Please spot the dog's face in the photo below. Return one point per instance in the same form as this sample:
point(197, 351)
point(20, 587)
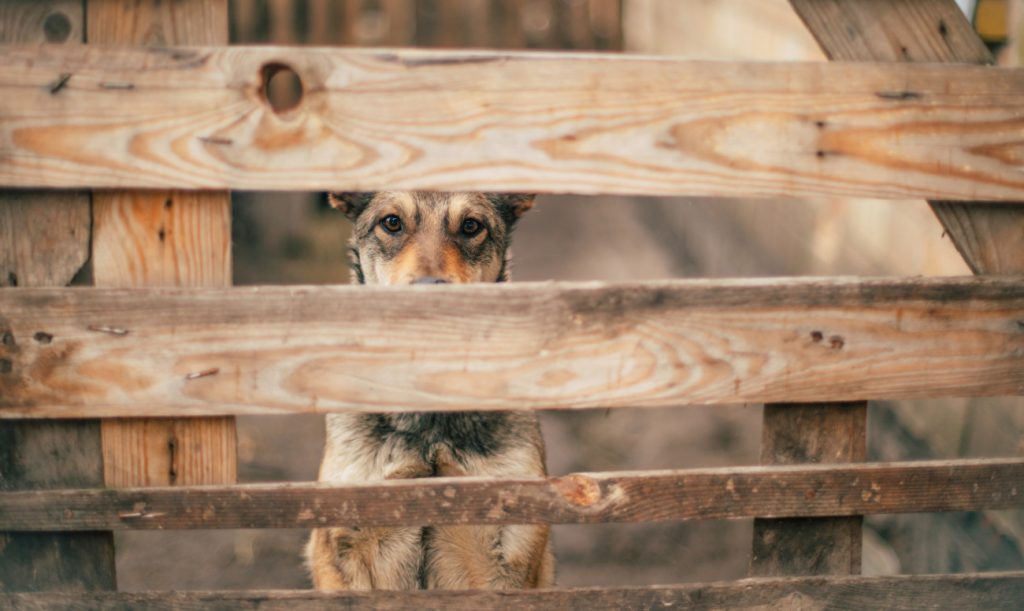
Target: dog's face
point(402, 237)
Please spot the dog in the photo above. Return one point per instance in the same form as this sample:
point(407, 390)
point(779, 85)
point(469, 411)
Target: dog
point(402, 238)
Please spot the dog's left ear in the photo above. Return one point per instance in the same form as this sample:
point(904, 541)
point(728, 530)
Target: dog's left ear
point(512, 205)
point(352, 203)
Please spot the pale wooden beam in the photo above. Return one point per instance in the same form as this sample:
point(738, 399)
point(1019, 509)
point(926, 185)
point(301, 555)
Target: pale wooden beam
point(166, 352)
point(162, 238)
point(198, 118)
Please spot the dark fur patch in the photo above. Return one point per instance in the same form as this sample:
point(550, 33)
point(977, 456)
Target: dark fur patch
point(463, 432)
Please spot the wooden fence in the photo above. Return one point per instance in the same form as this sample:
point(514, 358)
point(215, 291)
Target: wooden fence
point(159, 338)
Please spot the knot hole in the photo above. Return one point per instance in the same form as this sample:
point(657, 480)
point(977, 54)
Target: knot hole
point(282, 87)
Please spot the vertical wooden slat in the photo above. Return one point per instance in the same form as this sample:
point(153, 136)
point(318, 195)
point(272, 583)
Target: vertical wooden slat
point(44, 241)
point(163, 239)
point(989, 237)
point(827, 433)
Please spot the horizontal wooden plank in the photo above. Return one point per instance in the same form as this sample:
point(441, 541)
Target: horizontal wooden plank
point(387, 119)
point(989, 591)
point(738, 492)
point(91, 352)
point(88, 352)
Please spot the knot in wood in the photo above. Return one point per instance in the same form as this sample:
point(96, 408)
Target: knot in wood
point(579, 490)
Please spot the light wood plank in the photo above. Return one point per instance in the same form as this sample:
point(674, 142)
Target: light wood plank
point(44, 241)
point(196, 118)
point(168, 238)
point(990, 591)
point(164, 352)
point(643, 496)
point(990, 237)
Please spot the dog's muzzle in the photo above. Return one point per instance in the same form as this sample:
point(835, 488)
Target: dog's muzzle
point(429, 280)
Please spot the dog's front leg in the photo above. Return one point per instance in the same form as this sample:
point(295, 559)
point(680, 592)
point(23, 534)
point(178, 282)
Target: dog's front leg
point(489, 557)
point(352, 558)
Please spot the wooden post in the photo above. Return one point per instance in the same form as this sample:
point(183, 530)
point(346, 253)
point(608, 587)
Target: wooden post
point(810, 433)
point(44, 241)
point(173, 238)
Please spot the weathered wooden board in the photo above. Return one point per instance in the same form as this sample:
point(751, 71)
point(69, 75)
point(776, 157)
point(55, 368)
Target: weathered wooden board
point(197, 118)
point(819, 433)
point(267, 350)
point(643, 496)
point(44, 241)
point(989, 591)
point(989, 236)
point(163, 238)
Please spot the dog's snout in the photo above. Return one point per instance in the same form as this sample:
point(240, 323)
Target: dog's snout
point(430, 280)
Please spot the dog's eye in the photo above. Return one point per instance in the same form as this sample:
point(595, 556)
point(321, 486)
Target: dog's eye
point(471, 227)
point(391, 223)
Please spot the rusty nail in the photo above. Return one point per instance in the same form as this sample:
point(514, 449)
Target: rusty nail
point(214, 140)
point(203, 374)
point(108, 329)
point(60, 83)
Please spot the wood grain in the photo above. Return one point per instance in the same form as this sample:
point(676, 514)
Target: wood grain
point(266, 350)
point(41, 21)
point(163, 238)
point(816, 434)
point(196, 118)
point(643, 496)
point(44, 241)
point(990, 591)
point(989, 237)
point(45, 237)
point(40, 455)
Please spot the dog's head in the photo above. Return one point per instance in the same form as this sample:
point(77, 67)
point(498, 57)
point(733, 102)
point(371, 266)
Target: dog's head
point(402, 237)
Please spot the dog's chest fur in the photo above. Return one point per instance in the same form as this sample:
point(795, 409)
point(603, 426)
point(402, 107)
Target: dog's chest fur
point(388, 446)
point(461, 434)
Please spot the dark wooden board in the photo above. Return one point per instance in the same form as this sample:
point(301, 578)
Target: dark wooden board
point(991, 591)
point(778, 491)
point(810, 434)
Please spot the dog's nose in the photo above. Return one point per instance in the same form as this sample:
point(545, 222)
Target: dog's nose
point(429, 280)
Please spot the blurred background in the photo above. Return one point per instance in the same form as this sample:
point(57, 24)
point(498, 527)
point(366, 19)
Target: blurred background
point(293, 238)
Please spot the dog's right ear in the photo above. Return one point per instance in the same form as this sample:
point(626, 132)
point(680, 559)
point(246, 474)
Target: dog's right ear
point(352, 203)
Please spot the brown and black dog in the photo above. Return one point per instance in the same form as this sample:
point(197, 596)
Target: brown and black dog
point(433, 238)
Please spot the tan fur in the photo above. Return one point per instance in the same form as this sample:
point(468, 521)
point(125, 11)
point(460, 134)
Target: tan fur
point(448, 557)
